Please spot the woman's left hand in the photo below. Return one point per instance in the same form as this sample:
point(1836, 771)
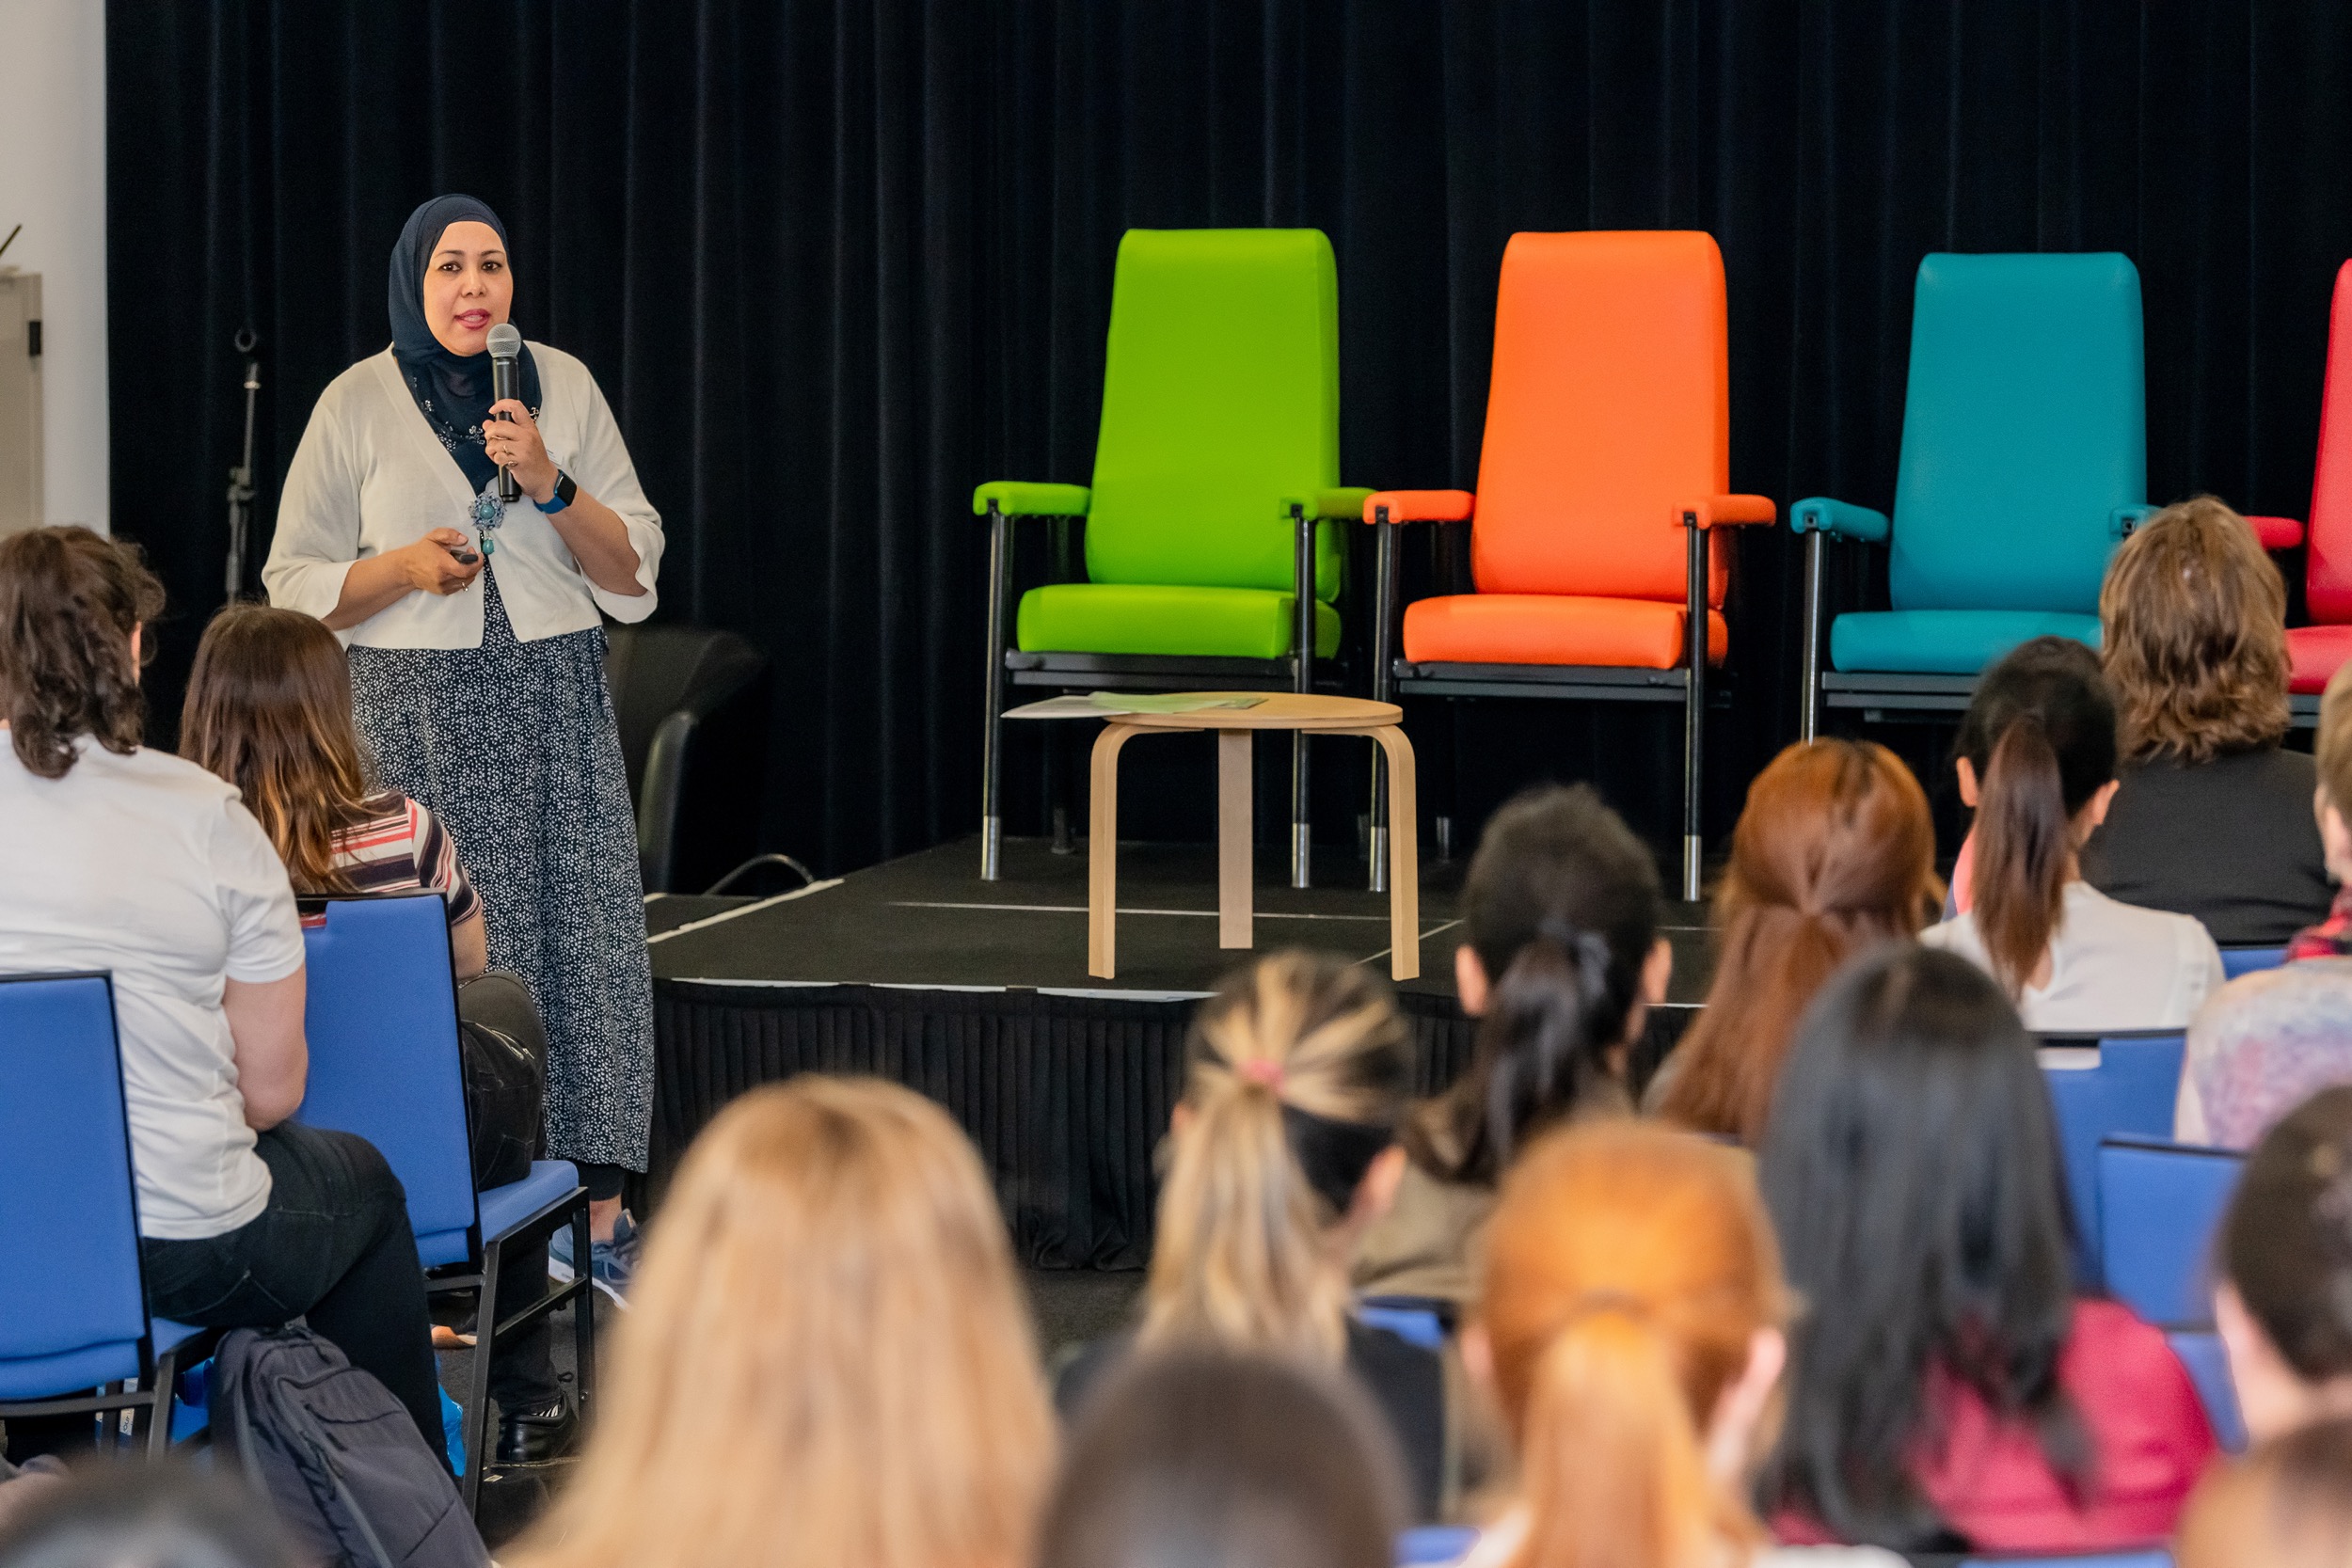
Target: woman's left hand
point(514, 443)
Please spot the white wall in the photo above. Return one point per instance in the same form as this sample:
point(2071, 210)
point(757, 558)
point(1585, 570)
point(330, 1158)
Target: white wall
point(53, 179)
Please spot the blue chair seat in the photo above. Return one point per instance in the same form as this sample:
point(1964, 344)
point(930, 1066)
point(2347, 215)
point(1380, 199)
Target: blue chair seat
point(2248, 960)
point(505, 1208)
point(1945, 642)
point(26, 1376)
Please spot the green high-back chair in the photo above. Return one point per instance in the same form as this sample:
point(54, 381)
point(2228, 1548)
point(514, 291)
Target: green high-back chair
point(1217, 468)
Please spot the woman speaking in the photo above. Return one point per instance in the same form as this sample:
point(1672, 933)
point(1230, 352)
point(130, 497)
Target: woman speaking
point(476, 653)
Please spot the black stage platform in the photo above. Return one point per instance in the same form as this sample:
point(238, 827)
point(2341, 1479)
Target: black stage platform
point(975, 993)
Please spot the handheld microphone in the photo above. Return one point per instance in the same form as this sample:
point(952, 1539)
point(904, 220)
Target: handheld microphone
point(506, 349)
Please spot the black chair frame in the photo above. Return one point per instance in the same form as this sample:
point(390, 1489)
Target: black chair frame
point(1008, 666)
point(482, 1280)
point(1687, 684)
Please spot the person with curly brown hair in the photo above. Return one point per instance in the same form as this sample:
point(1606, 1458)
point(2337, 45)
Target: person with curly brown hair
point(2214, 818)
point(117, 857)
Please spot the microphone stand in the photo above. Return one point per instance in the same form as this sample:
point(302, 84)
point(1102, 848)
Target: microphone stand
point(241, 491)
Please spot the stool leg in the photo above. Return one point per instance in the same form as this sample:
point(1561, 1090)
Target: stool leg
point(1403, 856)
point(1234, 835)
point(1103, 854)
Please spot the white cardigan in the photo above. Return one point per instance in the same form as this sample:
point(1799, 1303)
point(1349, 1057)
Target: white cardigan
point(369, 476)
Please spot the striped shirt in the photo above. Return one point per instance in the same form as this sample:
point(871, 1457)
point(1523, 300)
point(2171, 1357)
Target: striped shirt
point(400, 847)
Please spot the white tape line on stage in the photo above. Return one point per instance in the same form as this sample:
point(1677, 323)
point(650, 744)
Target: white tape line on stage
point(748, 909)
point(1080, 909)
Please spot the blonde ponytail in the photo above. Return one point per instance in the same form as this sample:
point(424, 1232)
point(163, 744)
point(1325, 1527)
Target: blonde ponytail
point(1298, 1075)
point(1615, 1466)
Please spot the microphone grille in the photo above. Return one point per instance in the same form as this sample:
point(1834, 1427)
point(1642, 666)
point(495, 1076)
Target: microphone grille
point(505, 343)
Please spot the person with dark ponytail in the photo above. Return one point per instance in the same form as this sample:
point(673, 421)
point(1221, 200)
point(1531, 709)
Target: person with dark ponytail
point(1560, 964)
point(2037, 758)
point(1281, 1153)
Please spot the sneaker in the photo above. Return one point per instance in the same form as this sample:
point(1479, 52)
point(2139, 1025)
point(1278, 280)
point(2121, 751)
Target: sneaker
point(611, 1264)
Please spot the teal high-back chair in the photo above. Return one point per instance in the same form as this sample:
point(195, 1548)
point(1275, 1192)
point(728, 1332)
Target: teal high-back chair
point(2024, 461)
point(1216, 467)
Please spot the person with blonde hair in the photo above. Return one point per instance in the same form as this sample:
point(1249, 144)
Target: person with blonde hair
point(2270, 1038)
point(827, 1360)
point(1282, 1154)
point(1835, 852)
point(2286, 1505)
point(2214, 817)
point(1633, 1327)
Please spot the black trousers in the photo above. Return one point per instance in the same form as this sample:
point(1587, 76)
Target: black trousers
point(334, 1247)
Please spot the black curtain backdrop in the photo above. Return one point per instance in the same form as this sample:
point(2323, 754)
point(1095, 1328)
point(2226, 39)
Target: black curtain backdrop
point(834, 263)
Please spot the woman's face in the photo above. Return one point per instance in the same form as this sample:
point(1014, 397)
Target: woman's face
point(468, 290)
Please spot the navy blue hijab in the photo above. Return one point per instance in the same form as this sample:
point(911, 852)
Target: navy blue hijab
point(452, 390)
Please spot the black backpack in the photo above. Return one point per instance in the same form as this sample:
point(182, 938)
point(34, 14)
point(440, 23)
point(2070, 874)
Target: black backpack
point(337, 1456)
point(504, 1049)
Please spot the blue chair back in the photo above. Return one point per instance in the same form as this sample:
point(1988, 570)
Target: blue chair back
point(2025, 428)
point(2208, 1364)
point(2162, 1204)
point(2246, 960)
point(2131, 1090)
point(382, 1021)
point(72, 1303)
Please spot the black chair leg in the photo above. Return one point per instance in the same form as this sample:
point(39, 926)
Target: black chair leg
point(1695, 639)
point(583, 1316)
point(156, 1415)
point(475, 1419)
point(992, 740)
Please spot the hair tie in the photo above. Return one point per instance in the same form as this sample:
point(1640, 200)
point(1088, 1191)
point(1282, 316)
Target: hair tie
point(1586, 949)
point(1262, 1071)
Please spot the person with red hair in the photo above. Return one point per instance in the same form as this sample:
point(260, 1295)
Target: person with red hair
point(1634, 1326)
point(1835, 853)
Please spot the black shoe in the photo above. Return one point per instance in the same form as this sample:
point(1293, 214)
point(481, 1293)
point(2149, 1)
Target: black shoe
point(536, 1436)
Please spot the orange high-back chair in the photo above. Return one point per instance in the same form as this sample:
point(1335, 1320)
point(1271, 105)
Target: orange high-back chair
point(1607, 464)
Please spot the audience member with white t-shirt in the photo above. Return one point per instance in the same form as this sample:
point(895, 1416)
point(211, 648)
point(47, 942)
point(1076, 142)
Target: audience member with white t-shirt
point(119, 857)
point(2037, 761)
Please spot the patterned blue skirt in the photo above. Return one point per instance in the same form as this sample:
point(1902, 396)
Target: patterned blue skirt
point(513, 746)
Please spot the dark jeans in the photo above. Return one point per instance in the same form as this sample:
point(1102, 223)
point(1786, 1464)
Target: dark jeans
point(333, 1247)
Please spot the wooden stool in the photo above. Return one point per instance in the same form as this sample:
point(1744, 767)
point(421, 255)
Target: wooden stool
point(1273, 711)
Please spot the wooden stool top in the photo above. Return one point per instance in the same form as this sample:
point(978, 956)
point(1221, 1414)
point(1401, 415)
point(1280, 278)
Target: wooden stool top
point(1273, 710)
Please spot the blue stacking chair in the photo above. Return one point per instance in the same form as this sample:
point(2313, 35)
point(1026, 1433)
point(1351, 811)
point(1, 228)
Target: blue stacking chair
point(2130, 1090)
point(2162, 1204)
point(1412, 1319)
point(74, 1300)
point(2025, 459)
point(1424, 1545)
point(2246, 960)
point(2208, 1363)
point(382, 1022)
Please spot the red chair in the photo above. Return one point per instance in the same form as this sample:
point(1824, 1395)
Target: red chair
point(2316, 651)
point(1607, 462)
